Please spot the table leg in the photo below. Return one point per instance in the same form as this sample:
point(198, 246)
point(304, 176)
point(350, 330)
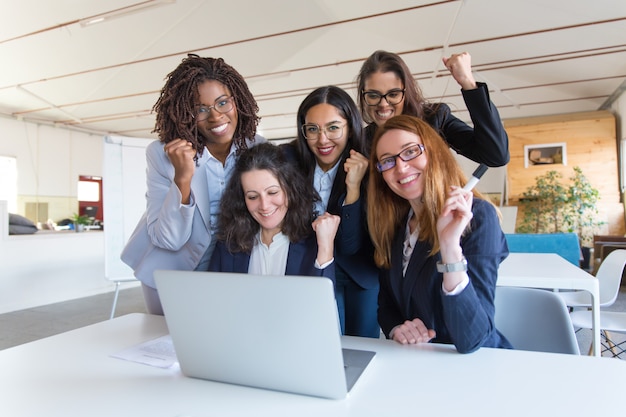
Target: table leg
point(595, 310)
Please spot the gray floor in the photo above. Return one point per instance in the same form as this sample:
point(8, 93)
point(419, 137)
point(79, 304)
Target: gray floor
point(24, 326)
point(27, 325)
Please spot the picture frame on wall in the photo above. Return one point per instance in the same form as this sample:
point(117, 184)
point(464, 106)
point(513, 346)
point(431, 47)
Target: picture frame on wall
point(545, 154)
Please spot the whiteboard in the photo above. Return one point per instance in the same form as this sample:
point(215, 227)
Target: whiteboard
point(124, 198)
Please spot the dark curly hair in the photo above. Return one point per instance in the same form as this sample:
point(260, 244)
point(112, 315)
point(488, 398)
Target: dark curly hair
point(236, 226)
point(174, 108)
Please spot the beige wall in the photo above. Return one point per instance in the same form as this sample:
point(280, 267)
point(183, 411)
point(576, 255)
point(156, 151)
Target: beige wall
point(591, 143)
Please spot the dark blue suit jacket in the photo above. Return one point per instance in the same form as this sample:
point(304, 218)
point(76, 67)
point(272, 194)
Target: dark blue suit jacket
point(466, 319)
point(486, 142)
point(300, 260)
point(354, 251)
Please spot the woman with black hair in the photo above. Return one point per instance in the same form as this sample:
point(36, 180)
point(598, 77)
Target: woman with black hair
point(387, 88)
point(331, 151)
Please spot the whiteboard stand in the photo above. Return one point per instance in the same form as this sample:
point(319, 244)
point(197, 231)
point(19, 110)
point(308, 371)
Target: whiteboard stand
point(118, 282)
point(124, 190)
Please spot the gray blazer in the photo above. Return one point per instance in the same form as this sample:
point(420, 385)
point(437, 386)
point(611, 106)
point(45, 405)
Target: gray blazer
point(168, 235)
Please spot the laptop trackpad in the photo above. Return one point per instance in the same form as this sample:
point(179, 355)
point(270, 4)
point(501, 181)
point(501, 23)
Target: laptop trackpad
point(354, 363)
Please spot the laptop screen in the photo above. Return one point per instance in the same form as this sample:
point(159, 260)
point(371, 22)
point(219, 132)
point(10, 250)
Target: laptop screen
point(273, 332)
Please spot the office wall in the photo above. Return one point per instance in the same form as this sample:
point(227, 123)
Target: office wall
point(49, 161)
point(618, 108)
point(49, 267)
point(589, 141)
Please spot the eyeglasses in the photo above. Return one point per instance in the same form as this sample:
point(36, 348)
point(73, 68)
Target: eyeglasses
point(406, 155)
point(222, 105)
point(373, 98)
point(311, 131)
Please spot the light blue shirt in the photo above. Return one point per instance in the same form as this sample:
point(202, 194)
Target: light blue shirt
point(217, 178)
point(323, 184)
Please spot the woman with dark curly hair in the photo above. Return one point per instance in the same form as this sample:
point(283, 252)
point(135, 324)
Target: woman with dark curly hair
point(266, 223)
point(205, 118)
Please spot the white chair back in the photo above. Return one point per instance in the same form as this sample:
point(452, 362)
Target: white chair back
point(610, 276)
point(534, 319)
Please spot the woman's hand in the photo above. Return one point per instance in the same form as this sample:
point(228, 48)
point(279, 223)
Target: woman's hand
point(356, 168)
point(181, 153)
point(460, 66)
point(454, 218)
point(412, 332)
point(325, 228)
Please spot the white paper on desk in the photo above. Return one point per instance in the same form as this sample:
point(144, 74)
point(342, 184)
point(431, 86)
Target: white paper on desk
point(158, 352)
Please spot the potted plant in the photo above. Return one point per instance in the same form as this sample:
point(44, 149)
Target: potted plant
point(583, 212)
point(80, 222)
point(552, 207)
point(543, 205)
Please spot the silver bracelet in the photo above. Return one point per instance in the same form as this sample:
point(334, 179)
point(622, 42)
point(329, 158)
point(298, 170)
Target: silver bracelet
point(454, 267)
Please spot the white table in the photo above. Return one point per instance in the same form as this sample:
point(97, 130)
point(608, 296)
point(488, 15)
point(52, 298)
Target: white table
point(72, 374)
point(549, 270)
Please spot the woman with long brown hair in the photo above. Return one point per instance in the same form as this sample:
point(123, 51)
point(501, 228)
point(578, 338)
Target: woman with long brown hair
point(439, 246)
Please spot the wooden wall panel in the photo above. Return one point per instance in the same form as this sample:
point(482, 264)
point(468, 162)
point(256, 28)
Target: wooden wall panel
point(591, 144)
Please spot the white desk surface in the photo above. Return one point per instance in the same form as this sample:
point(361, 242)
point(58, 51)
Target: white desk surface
point(72, 374)
point(549, 270)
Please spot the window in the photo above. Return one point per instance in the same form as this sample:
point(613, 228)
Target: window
point(89, 195)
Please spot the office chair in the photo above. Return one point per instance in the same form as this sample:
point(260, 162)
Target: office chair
point(609, 275)
point(610, 321)
point(609, 278)
point(534, 319)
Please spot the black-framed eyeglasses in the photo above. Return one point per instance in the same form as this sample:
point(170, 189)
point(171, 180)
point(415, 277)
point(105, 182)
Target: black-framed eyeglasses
point(312, 131)
point(373, 98)
point(221, 105)
point(406, 155)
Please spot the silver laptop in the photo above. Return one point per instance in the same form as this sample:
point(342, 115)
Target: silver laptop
point(275, 332)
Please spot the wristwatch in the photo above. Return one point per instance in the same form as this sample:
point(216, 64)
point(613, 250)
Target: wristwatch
point(455, 267)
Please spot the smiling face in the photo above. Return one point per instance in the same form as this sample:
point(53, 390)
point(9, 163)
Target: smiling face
point(327, 152)
point(382, 83)
point(218, 129)
point(266, 201)
point(406, 179)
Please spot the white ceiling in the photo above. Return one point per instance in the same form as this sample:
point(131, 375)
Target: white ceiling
point(539, 57)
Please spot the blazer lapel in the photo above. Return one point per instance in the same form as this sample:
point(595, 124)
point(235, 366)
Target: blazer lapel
point(395, 274)
point(419, 274)
point(337, 191)
point(403, 285)
point(294, 258)
point(241, 262)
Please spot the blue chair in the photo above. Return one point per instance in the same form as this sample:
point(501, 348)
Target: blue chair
point(563, 244)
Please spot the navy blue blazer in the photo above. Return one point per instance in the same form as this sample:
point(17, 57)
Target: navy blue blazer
point(354, 251)
point(487, 142)
point(300, 260)
point(465, 319)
